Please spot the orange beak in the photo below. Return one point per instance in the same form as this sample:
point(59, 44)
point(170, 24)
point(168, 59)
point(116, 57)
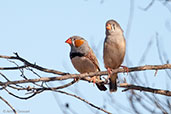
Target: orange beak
point(108, 27)
point(69, 41)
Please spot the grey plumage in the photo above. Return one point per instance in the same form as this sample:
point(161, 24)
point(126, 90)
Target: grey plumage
point(84, 59)
point(114, 50)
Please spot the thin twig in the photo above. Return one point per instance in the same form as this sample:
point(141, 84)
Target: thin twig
point(63, 92)
point(146, 89)
point(24, 98)
point(15, 112)
point(17, 57)
point(149, 5)
point(13, 68)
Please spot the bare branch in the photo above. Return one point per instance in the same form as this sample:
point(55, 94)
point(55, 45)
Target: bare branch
point(4, 76)
point(28, 64)
point(13, 68)
point(24, 98)
point(146, 89)
point(55, 88)
point(91, 74)
point(149, 5)
point(63, 92)
point(34, 90)
point(15, 112)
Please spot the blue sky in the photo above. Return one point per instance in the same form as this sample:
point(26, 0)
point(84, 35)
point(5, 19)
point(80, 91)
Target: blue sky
point(38, 29)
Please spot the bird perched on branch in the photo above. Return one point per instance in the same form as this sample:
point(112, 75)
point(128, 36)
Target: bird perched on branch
point(83, 58)
point(114, 51)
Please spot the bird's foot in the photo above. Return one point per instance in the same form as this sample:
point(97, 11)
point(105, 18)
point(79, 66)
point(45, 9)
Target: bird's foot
point(126, 69)
point(93, 79)
point(109, 73)
point(76, 79)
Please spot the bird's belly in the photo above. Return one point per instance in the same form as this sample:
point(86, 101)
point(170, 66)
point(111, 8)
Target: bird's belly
point(83, 65)
point(113, 57)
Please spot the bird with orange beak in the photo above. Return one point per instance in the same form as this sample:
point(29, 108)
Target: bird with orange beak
point(83, 58)
point(114, 51)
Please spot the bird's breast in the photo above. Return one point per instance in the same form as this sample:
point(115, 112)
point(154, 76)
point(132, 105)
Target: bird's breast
point(114, 52)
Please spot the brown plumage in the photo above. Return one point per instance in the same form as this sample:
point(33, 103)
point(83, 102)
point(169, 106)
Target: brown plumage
point(83, 58)
point(114, 50)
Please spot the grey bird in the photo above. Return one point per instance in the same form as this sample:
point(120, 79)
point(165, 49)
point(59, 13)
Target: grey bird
point(114, 51)
point(83, 58)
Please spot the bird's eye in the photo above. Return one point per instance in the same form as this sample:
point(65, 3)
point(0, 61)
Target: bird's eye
point(113, 26)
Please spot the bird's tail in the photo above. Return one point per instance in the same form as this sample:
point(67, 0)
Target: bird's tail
point(101, 86)
point(113, 82)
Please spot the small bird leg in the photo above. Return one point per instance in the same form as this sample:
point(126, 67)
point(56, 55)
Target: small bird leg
point(93, 79)
point(109, 72)
point(76, 79)
point(126, 69)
